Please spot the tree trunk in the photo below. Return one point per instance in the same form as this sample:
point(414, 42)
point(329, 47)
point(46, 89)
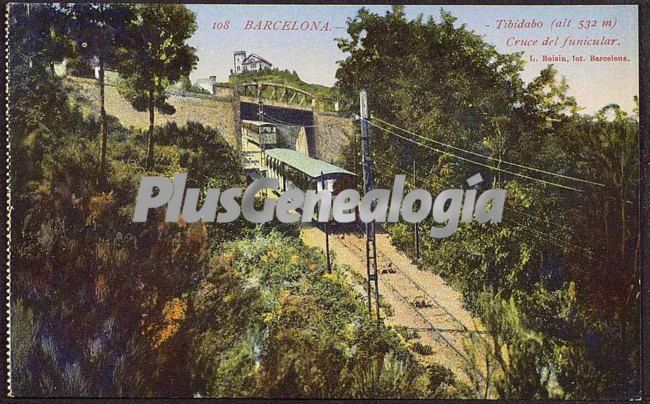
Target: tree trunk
point(151, 123)
point(102, 113)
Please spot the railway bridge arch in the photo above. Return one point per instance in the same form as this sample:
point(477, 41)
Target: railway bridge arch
point(305, 122)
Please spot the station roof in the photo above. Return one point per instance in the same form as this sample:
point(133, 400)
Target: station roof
point(301, 162)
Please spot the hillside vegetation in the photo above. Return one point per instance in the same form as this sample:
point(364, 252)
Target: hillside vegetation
point(557, 280)
point(105, 307)
point(84, 93)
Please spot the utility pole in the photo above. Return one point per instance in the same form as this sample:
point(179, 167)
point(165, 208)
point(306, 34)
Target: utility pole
point(417, 226)
point(327, 233)
point(260, 135)
point(368, 179)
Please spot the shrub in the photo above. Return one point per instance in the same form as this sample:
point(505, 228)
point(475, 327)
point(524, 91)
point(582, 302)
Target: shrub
point(422, 349)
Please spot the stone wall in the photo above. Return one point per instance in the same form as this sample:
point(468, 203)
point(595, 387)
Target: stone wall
point(221, 113)
point(332, 135)
point(326, 140)
point(287, 136)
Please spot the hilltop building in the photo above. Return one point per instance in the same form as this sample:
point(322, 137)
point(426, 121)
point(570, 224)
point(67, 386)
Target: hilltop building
point(248, 63)
point(243, 63)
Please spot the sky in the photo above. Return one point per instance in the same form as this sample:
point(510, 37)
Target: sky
point(313, 54)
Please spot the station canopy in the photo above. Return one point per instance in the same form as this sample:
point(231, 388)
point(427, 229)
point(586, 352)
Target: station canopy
point(301, 162)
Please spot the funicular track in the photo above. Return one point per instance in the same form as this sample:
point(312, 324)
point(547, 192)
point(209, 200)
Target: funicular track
point(437, 331)
point(437, 325)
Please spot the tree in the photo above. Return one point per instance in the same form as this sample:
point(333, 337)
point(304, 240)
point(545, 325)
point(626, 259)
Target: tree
point(186, 85)
point(37, 37)
point(156, 56)
point(448, 83)
point(514, 362)
point(35, 95)
point(97, 31)
point(450, 86)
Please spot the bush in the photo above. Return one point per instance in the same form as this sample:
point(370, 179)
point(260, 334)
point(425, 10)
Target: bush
point(310, 333)
point(422, 349)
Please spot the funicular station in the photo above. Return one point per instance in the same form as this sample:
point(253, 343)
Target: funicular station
point(292, 168)
point(295, 169)
point(281, 130)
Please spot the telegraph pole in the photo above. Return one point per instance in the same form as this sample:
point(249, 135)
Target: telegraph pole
point(327, 233)
point(260, 113)
point(417, 226)
point(368, 179)
point(260, 135)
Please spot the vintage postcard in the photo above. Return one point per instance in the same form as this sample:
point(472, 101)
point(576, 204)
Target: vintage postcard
point(323, 201)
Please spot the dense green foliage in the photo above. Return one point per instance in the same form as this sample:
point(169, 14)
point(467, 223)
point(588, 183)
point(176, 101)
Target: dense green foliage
point(102, 306)
point(89, 286)
point(556, 282)
point(154, 56)
point(100, 302)
point(293, 330)
point(97, 31)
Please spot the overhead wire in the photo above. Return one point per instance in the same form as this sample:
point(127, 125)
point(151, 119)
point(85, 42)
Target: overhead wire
point(565, 244)
point(461, 158)
point(550, 183)
point(417, 177)
point(490, 157)
point(281, 122)
point(547, 237)
point(540, 234)
point(444, 182)
point(493, 158)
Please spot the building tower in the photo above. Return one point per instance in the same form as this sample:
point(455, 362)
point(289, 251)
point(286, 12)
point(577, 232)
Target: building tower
point(239, 61)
